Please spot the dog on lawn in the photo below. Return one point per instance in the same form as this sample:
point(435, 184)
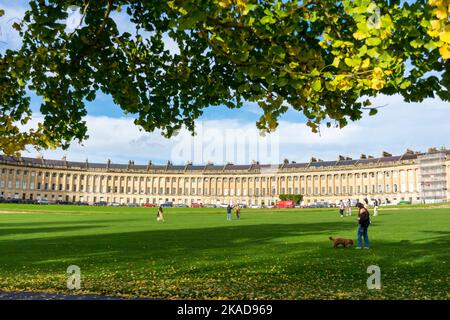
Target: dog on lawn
point(341, 241)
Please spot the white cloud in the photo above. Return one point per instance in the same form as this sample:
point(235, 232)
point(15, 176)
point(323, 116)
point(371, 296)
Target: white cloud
point(396, 127)
point(9, 37)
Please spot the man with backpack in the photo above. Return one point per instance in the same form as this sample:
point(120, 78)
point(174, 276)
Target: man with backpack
point(363, 225)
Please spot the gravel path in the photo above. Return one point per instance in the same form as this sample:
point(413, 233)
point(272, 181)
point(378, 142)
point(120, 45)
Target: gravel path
point(12, 295)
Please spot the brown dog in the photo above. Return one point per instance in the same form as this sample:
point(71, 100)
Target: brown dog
point(341, 241)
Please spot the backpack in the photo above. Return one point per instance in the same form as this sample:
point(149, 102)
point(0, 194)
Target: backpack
point(364, 219)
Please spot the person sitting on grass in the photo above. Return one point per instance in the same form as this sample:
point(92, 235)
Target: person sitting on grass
point(363, 225)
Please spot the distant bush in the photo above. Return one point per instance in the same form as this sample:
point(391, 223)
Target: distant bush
point(297, 198)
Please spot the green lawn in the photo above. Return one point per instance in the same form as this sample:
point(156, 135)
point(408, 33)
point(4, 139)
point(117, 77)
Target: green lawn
point(196, 253)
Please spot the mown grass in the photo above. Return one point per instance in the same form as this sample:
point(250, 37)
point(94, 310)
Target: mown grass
point(197, 254)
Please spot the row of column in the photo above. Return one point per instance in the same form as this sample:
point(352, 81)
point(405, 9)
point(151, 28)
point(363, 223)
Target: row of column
point(224, 186)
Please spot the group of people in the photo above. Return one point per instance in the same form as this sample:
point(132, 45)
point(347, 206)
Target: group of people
point(342, 206)
point(363, 217)
point(237, 210)
point(348, 204)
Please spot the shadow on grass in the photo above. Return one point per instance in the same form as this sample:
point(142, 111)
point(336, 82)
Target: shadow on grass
point(18, 231)
point(52, 226)
point(38, 224)
point(158, 243)
point(300, 240)
point(297, 257)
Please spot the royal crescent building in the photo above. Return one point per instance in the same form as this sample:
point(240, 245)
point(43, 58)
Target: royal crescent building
point(412, 176)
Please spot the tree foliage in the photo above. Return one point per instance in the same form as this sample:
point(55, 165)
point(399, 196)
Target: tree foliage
point(321, 58)
point(297, 198)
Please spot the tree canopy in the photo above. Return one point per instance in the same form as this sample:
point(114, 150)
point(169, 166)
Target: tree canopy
point(322, 58)
point(297, 198)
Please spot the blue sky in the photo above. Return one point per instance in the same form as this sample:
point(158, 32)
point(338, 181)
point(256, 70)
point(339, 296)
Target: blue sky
point(113, 136)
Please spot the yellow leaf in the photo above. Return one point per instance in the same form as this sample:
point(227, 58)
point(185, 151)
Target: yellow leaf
point(377, 84)
point(436, 24)
point(433, 33)
point(445, 51)
point(445, 37)
point(224, 3)
point(359, 35)
point(336, 62)
point(377, 72)
point(241, 3)
point(441, 12)
point(365, 64)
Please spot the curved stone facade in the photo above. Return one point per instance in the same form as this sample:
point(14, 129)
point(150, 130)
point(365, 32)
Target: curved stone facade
point(392, 178)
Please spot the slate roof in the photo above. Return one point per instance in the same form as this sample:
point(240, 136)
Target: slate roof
point(39, 162)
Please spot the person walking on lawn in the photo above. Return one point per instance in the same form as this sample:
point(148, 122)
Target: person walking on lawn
point(228, 213)
point(238, 212)
point(341, 208)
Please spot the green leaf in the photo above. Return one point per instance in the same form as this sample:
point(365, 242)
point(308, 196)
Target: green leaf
point(282, 82)
point(355, 62)
point(431, 45)
point(417, 43)
point(268, 20)
point(315, 73)
point(317, 85)
point(374, 41)
point(16, 26)
point(405, 84)
point(373, 53)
